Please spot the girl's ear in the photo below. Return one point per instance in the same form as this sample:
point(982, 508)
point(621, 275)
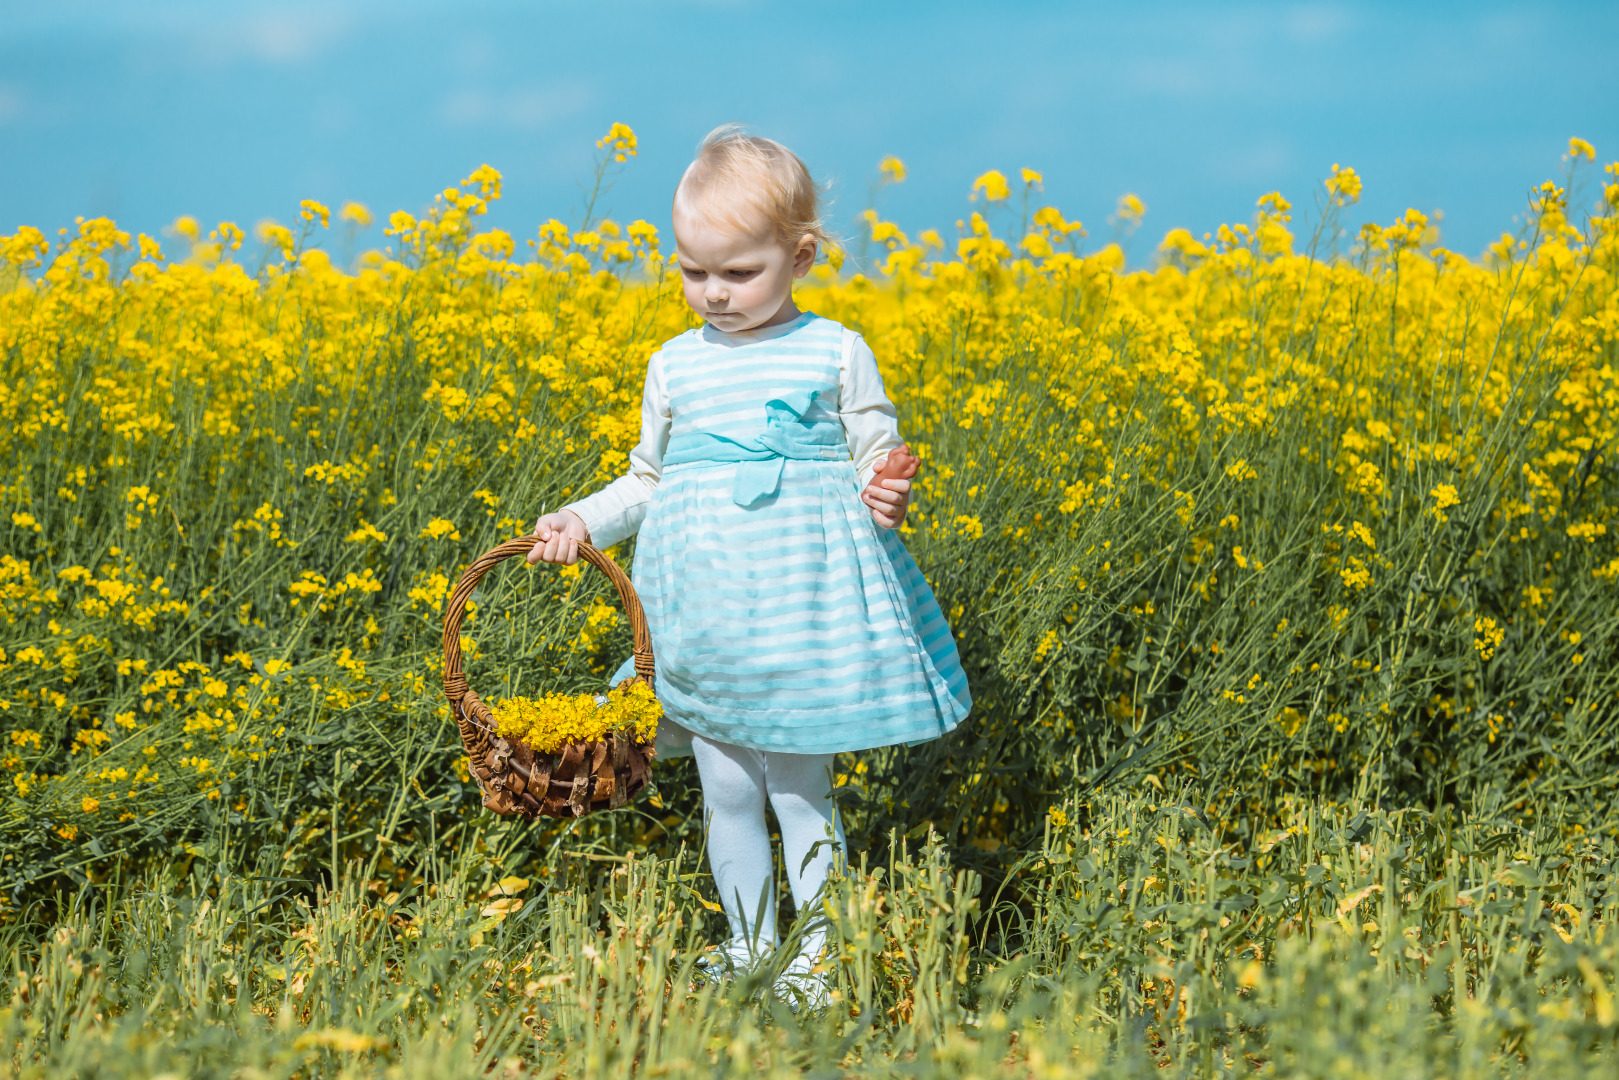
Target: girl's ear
point(805, 257)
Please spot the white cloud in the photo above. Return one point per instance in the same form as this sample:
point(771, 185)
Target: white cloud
point(282, 38)
point(466, 108)
point(1176, 77)
point(475, 52)
point(528, 108)
point(1316, 22)
point(1258, 164)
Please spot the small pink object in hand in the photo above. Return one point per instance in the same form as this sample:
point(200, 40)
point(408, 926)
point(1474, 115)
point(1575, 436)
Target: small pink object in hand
point(900, 464)
point(889, 503)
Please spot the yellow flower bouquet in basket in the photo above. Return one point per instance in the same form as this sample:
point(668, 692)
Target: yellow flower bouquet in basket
point(565, 754)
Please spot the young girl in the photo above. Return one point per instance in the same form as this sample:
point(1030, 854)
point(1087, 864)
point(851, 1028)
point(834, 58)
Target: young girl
point(788, 622)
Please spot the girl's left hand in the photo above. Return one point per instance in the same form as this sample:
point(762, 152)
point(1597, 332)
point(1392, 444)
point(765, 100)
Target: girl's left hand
point(888, 500)
point(888, 495)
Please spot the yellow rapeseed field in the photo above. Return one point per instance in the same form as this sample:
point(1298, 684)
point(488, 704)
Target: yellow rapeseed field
point(1289, 511)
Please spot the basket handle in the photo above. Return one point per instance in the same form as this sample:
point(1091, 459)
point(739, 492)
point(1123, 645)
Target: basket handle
point(474, 735)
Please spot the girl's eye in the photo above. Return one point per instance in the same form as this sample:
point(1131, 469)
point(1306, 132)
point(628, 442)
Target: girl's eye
point(696, 274)
point(740, 274)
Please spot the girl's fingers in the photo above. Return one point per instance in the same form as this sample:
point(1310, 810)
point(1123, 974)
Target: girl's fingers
point(897, 485)
point(555, 546)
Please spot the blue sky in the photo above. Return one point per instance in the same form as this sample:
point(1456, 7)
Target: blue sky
point(144, 111)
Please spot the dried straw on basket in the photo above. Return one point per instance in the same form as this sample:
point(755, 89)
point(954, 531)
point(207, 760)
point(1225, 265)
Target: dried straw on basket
point(582, 776)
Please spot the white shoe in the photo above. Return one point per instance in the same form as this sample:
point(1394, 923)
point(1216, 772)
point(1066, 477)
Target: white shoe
point(729, 961)
point(801, 986)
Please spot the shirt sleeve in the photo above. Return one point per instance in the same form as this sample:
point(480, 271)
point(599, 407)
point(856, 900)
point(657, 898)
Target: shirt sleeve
point(869, 419)
point(616, 511)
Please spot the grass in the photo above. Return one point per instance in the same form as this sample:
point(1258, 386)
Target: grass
point(1134, 941)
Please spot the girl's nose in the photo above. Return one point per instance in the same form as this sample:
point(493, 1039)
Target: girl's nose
point(716, 293)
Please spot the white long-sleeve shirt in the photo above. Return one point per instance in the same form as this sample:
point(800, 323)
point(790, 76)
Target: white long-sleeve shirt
point(616, 511)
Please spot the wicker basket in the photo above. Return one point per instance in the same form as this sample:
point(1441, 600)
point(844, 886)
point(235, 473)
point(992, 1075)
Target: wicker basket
point(583, 776)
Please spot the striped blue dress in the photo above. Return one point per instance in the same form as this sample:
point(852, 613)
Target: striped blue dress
point(783, 617)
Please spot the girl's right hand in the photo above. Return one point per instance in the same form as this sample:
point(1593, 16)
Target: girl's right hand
point(888, 494)
point(560, 534)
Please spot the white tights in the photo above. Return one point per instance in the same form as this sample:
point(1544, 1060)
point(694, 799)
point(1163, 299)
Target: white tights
point(736, 781)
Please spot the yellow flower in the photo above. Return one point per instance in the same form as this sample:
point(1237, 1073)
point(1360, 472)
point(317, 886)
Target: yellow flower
point(1579, 148)
point(1355, 575)
point(969, 526)
point(1241, 470)
point(619, 140)
point(89, 805)
point(549, 724)
point(1343, 186)
point(1049, 217)
point(1444, 496)
point(366, 531)
point(1587, 531)
point(1031, 177)
point(1048, 642)
point(439, 528)
point(643, 234)
point(993, 184)
point(892, 170)
point(356, 213)
point(25, 247)
point(268, 232)
point(432, 592)
point(1037, 245)
point(1367, 479)
point(1489, 637)
point(1130, 209)
point(1180, 241)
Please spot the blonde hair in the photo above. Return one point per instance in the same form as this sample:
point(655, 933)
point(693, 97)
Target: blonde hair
point(735, 173)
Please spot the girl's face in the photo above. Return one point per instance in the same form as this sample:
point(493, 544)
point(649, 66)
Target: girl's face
point(739, 280)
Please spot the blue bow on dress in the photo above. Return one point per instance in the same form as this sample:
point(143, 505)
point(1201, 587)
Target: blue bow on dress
point(760, 459)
